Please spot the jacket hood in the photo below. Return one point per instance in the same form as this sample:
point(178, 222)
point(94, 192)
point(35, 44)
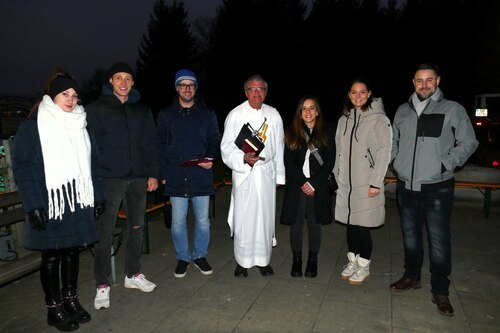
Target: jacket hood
point(133, 97)
point(376, 109)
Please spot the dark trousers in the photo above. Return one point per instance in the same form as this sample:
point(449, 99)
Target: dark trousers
point(59, 265)
point(306, 206)
point(359, 241)
point(133, 193)
point(432, 207)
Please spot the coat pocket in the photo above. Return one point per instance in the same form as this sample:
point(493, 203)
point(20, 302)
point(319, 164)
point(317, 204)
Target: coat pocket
point(370, 158)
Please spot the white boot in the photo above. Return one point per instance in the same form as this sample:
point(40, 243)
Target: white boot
point(351, 266)
point(362, 273)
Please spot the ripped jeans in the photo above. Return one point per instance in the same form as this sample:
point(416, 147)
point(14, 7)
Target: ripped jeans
point(133, 193)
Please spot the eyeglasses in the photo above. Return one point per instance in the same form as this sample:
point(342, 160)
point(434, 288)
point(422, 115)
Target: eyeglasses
point(256, 89)
point(183, 86)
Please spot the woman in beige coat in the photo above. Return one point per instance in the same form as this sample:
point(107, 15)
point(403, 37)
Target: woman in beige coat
point(363, 144)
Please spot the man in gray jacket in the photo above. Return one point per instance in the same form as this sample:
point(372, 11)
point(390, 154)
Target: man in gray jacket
point(431, 137)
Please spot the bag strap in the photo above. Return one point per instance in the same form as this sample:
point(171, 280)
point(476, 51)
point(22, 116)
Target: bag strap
point(314, 150)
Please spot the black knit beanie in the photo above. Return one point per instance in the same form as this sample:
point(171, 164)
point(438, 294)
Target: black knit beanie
point(120, 67)
point(60, 84)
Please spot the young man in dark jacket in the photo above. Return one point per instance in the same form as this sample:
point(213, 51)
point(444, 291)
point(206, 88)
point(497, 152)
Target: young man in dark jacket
point(189, 142)
point(431, 137)
point(125, 132)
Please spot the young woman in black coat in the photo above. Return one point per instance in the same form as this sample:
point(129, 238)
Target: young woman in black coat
point(307, 191)
point(55, 170)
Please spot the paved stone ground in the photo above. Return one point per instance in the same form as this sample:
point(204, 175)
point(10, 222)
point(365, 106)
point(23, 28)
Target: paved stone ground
point(223, 303)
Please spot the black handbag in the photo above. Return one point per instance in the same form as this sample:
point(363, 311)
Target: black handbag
point(333, 184)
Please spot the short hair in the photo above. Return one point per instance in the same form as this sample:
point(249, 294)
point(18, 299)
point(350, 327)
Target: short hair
point(427, 66)
point(257, 78)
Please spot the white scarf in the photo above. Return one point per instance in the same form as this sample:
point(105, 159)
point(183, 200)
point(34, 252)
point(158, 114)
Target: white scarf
point(66, 156)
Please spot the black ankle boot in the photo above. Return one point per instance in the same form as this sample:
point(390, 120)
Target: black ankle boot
point(74, 308)
point(312, 265)
point(296, 264)
point(58, 317)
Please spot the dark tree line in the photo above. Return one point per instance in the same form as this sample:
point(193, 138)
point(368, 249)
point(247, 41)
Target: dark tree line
point(167, 47)
point(319, 52)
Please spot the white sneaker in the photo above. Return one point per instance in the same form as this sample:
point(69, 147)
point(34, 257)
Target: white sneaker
point(139, 282)
point(351, 266)
point(102, 298)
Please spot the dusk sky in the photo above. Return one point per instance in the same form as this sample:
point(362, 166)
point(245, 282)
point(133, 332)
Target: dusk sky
point(79, 36)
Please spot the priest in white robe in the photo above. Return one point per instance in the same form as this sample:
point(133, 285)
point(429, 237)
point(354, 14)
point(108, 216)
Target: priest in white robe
point(252, 210)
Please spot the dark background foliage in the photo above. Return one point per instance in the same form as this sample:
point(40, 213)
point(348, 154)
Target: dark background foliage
point(318, 52)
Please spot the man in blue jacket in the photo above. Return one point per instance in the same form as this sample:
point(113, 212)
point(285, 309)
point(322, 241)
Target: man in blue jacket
point(125, 132)
point(189, 143)
point(431, 137)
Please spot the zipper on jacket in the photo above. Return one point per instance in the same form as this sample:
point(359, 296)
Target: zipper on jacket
point(413, 161)
point(186, 187)
point(416, 141)
point(131, 170)
point(350, 170)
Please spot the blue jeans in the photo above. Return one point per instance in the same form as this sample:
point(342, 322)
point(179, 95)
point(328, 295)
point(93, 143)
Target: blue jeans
point(180, 207)
point(133, 193)
point(431, 206)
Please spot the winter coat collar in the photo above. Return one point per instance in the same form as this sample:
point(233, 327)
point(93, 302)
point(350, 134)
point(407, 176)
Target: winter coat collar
point(133, 97)
point(438, 96)
point(375, 109)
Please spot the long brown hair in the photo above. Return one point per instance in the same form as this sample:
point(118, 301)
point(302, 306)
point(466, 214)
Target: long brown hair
point(295, 139)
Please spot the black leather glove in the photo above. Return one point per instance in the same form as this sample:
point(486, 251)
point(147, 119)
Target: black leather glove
point(38, 219)
point(99, 209)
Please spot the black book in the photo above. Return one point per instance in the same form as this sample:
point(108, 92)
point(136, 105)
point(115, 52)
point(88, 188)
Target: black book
point(248, 140)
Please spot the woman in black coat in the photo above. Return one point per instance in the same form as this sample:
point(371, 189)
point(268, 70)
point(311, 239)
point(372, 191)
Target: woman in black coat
point(307, 191)
point(55, 171)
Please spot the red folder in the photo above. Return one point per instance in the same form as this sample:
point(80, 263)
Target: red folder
point(196, 161)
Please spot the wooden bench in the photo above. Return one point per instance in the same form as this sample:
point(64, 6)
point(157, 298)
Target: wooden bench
point(483, 187)
point(10, 214)
point(217, 184)
point(158, 205)
point(150, 210)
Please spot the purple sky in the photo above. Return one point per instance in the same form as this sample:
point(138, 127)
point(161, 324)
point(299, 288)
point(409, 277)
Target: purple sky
point(78, 35)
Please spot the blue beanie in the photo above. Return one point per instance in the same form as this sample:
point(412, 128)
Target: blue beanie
point(185, 74)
